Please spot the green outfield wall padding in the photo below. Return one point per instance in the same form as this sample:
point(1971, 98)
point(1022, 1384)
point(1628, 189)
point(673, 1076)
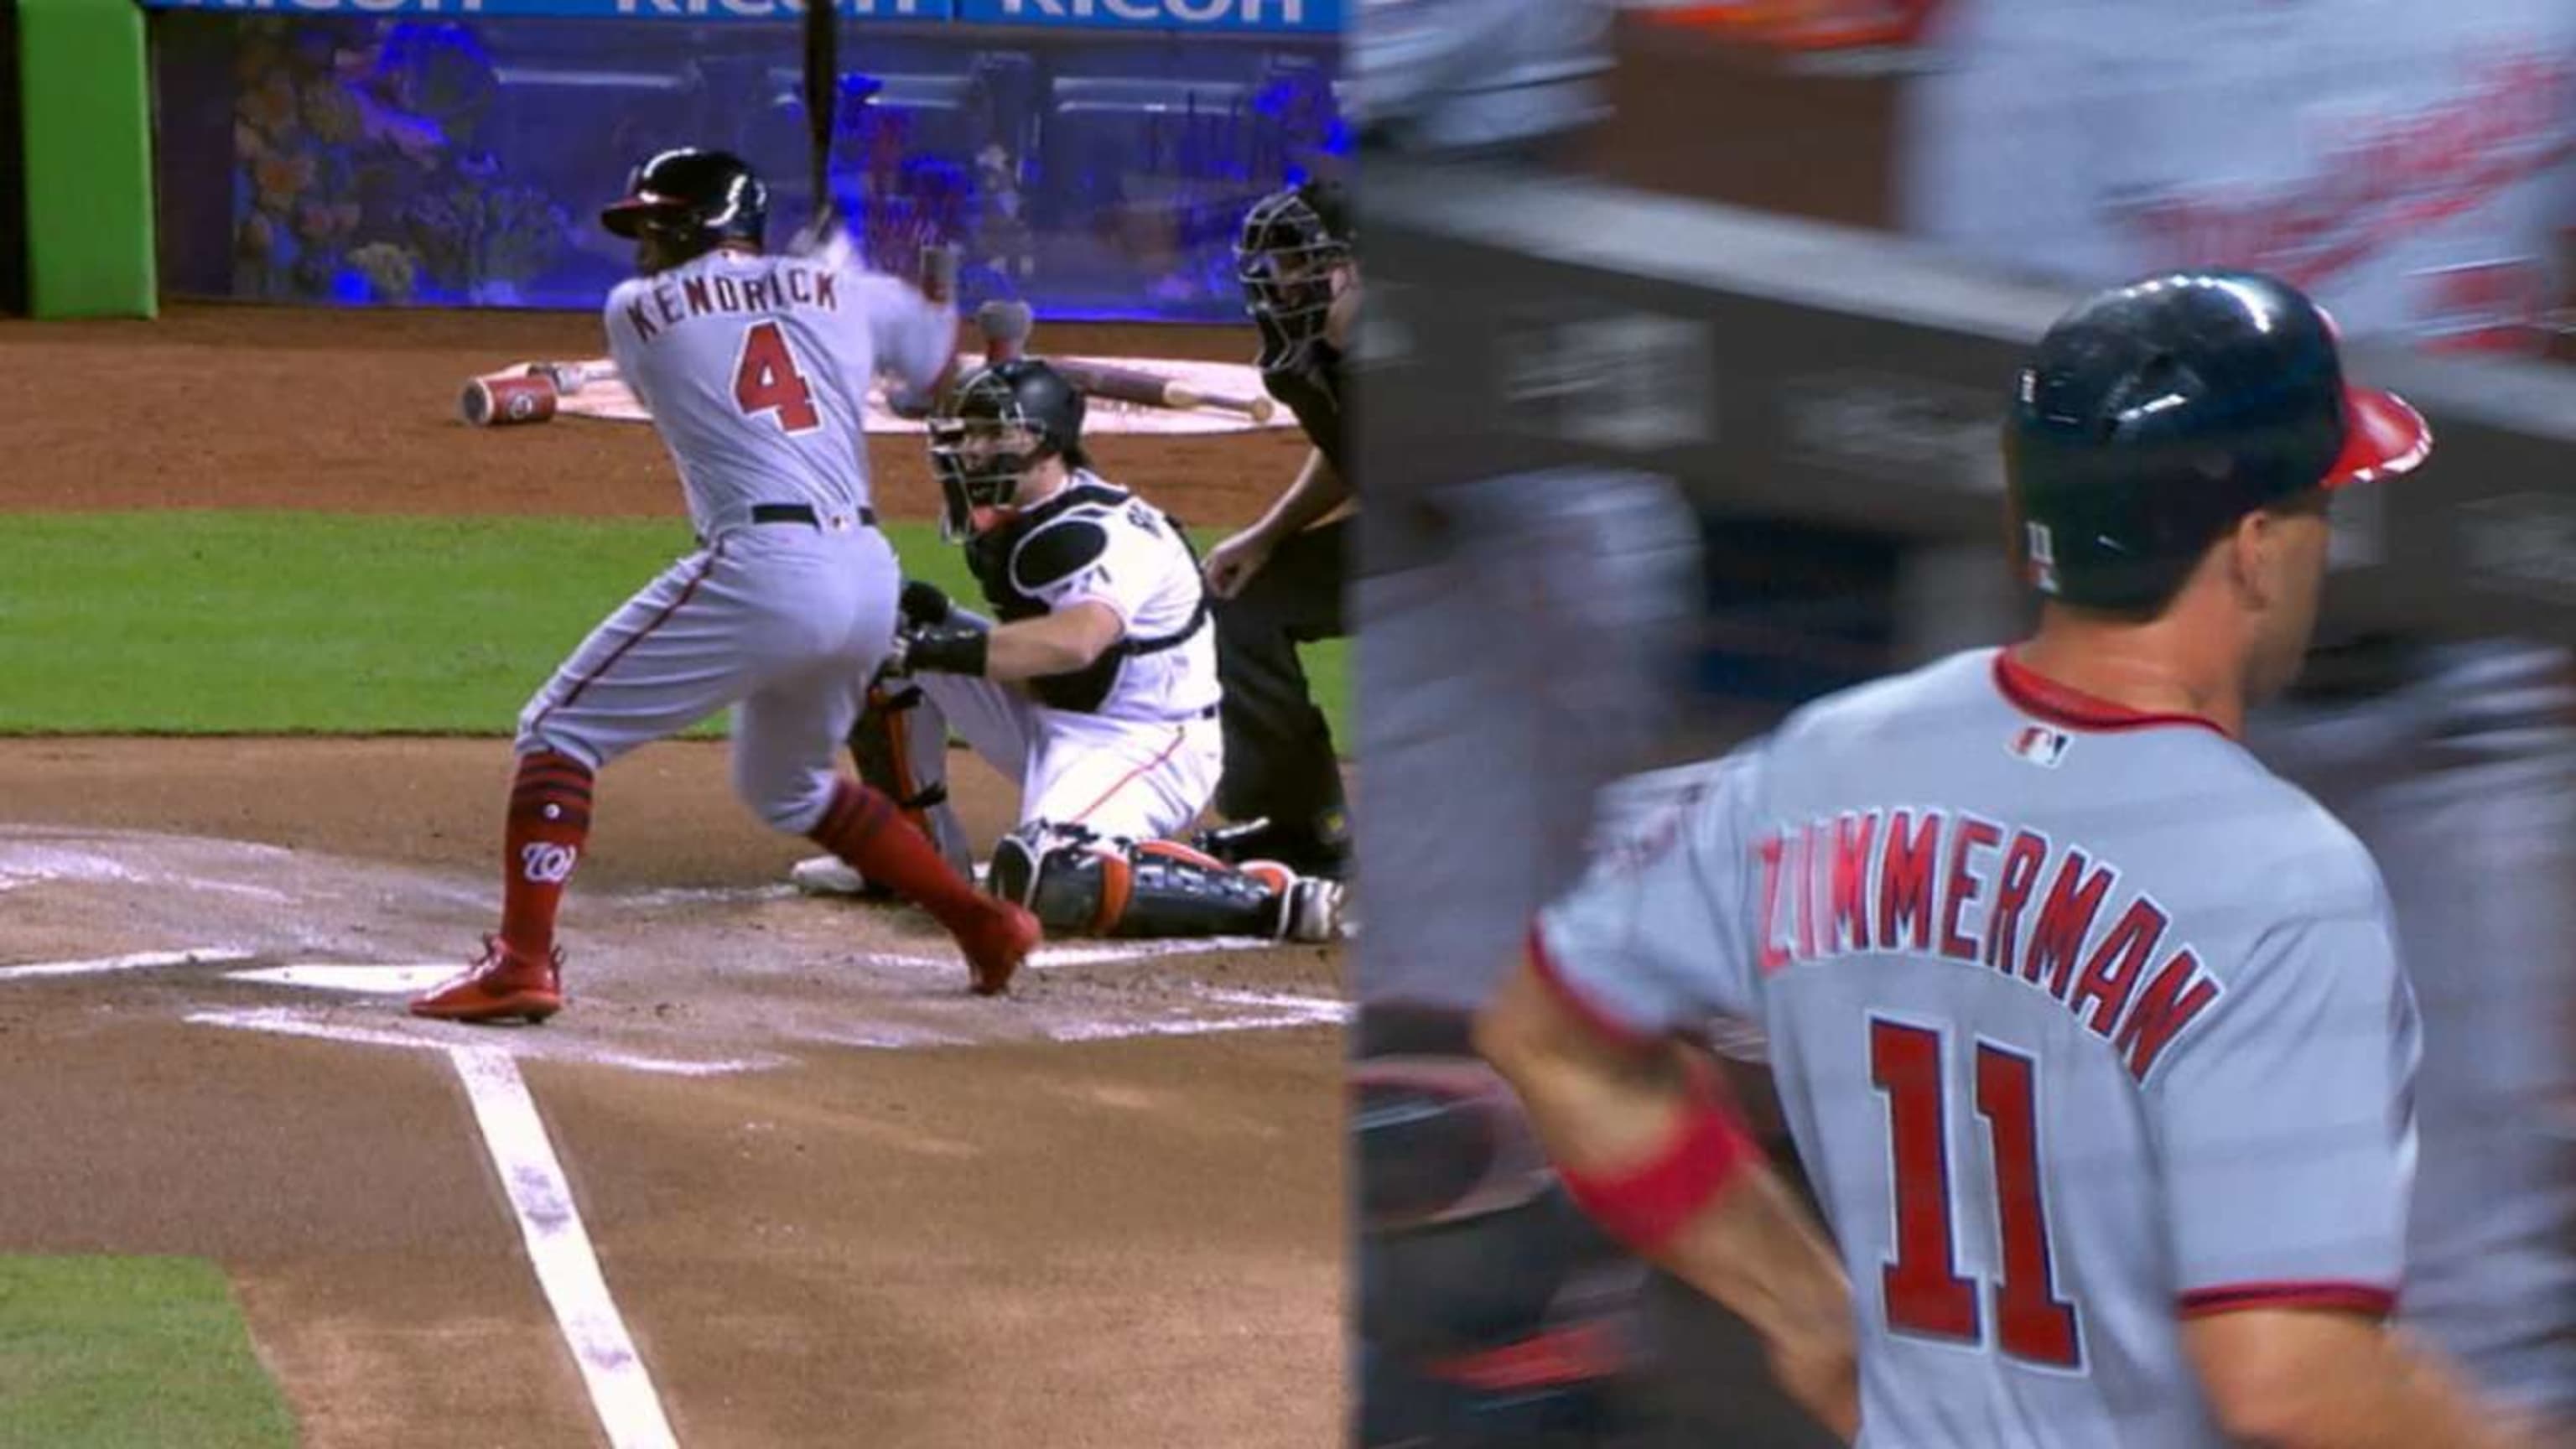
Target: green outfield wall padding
point(87, 109)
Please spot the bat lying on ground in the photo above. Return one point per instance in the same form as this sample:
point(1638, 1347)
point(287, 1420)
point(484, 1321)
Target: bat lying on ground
point(528, 394)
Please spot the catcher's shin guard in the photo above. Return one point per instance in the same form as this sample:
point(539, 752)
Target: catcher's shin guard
point(900, 745)
point(1080, 882)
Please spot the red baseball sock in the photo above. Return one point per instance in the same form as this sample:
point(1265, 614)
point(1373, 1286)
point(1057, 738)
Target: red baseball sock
point(549, 822)
point(862, 826)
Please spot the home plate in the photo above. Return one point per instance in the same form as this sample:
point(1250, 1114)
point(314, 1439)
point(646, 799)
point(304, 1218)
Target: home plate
point(364, 978)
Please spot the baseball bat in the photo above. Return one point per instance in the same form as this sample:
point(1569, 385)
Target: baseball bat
point(1006, 327)
point(939, 271)
point(1121, 384)
point(822, 97)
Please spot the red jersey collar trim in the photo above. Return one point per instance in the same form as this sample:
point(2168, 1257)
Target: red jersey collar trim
point(2036, 694)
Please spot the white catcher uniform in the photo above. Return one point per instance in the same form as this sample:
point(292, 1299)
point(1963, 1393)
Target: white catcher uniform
point(754, 368)
point(1129, 747)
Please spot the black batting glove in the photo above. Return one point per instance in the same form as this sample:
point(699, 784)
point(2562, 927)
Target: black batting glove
point(924, 604)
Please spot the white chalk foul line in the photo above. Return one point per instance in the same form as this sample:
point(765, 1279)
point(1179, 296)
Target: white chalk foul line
point(1189, 1026)
point(1055, 958)
point(620, 1388)
point(139, 961)
point(1275, 1011)
point(289, 1021)
point(362, 978)
point(1322, 1007)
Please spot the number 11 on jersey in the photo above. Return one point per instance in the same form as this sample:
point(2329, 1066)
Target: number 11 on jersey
point(1922, 1289)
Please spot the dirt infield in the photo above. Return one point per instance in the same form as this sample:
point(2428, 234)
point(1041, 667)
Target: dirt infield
point(833, 1199)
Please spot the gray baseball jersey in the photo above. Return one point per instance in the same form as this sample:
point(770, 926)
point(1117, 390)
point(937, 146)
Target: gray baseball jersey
point(733, 339)
point(2083, 1023)
point(753, 368)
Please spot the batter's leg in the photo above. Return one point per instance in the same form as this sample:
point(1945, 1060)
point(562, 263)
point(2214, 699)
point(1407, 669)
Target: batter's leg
point(784, 739)
point(997, 722)
point(666, 658)
point(900, 746)
point(1280, 764)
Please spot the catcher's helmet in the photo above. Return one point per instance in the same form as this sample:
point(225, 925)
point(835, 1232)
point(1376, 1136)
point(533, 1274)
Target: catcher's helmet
point(2155, 415)
point(1284, 255)
point(992, 428)
point(698, 199)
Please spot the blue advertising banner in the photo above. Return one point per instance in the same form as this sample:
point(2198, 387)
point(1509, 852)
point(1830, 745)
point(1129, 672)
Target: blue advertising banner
point(699, 10)
point(1249, 17)
point(1207, 16)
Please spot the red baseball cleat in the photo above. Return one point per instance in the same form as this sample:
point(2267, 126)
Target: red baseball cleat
point(996, 945)
point(499, 986)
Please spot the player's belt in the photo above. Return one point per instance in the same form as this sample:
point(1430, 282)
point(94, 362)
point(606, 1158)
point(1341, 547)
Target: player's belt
point(800, 513)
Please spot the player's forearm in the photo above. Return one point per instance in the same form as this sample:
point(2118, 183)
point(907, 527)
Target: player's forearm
point(1036, 648)
point(1609, 1113)
point(1755, 1249)
point(2348, 1385)
point(2404, 1398)
point(1319, 489)
point(1751, 1246)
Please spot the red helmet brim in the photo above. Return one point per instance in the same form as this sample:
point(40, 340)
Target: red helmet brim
point(2383, 437)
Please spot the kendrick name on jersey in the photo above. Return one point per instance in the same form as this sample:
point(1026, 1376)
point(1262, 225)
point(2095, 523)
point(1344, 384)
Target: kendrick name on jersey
point(784, 290)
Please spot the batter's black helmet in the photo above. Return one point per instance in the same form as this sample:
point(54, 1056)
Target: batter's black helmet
point(701, 198)
point(2155, 415)
point(992, 428)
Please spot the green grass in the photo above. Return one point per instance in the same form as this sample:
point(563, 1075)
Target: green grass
point(129, 1353)
point(311, 623)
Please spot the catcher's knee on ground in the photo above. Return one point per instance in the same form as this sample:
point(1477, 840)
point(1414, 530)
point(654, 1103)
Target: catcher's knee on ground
point(1079, 882)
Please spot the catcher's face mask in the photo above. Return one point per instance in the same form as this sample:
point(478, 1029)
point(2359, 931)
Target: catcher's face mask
point(1287, 262)
point(980, 462)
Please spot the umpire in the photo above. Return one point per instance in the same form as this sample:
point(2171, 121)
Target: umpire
point(1278, 583)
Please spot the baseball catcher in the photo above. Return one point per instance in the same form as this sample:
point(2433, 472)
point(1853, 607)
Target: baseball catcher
point(1093, 683)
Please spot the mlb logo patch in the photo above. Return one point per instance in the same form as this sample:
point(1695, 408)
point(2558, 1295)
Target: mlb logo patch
point(2039, 556)
point(2040, 745)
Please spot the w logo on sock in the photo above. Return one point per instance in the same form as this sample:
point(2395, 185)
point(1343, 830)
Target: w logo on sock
point(548, 864)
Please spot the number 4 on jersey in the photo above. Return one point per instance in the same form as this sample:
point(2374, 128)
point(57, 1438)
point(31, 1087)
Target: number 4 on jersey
point(1922, 1290)
point(767, 381)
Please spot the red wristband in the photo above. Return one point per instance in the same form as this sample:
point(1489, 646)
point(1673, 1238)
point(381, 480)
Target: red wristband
point(1644, 1205)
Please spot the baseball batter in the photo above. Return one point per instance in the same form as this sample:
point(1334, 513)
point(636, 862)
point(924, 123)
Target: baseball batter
point(1279, 583)
point(1093, 684)
point(2091, 1032)
point(753, 367)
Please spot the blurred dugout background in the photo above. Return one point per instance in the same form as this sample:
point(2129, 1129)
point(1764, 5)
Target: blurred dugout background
point(1765, 267)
